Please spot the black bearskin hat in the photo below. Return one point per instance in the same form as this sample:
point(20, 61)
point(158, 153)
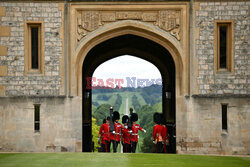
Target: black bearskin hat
point(104, 121)
point(115, 116)
point(108, 118)
point(134, 117)
point(163, 119)
point(157, 118)
point(125, 119)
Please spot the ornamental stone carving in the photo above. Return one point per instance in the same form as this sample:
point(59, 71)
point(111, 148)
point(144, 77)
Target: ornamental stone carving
point(168, 20)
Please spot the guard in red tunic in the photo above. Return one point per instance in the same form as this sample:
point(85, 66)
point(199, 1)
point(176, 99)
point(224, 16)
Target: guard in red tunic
point(116, 135)
point(157, 133)
point(135, 128)
point(126, 135)
point(100, 142)
point(104, 132)
point(164, 133)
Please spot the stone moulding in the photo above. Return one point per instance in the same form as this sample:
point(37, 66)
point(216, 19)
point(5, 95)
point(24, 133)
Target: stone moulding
point(166, 19)
point(221, 96)
point(163, 23)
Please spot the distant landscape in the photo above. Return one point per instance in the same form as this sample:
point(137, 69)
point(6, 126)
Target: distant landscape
point(144, 100)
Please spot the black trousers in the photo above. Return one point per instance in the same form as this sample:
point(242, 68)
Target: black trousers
point(126, 148)
point(133, 147)
point(159, 147)
point(106, 146)
point(115, 145)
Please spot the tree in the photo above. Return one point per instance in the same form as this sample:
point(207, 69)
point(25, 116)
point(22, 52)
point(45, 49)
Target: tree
point(118, 102)
point(103, 97)
point(152, 94)
point(101, 112)
point(95, 131)
point(136, 103)
point(146, 121)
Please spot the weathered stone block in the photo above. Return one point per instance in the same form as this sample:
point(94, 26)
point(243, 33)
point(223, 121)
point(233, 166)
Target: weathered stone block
point(3, 50)
point(3, 71)
point(4, 31)
point(2, 11)
point(2, 90)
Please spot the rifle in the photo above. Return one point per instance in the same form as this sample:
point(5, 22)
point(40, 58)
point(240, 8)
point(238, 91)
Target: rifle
point(130, 121)
point(130, 126)
point(112, 126)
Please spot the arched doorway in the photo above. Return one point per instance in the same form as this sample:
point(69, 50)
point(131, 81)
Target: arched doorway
point(140, 47)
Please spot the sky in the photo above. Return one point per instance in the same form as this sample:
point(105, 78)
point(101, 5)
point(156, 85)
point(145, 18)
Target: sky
point(128, 66)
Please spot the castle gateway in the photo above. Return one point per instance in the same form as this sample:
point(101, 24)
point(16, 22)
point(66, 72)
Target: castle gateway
point(48, 48)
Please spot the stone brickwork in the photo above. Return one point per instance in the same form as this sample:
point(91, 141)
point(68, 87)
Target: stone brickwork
point(204, 127)
point(233, 83)
point(16, 82)
point(60, 124)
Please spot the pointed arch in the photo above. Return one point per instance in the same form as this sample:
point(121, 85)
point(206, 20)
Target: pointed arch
point(126, 27)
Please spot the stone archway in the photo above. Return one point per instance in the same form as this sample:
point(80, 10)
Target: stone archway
point(126, 23)
point(135, 28)
point(139, 47)
point(169, 107)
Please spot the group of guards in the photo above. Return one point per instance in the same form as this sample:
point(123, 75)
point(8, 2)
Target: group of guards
point(127, 133)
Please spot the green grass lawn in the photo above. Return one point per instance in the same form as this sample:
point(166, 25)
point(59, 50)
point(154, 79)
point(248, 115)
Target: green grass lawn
point(117, 160)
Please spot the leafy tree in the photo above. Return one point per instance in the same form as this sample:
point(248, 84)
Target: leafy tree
point(118, 102)
point(157, 107)
point(103, 97)
point(148, 146)
point(145, 114)
point(93, 108)
point(95, 103)
point(136, 103)
point(146, 121)
point(95, 131)
point(101, 112)
point(152, 94)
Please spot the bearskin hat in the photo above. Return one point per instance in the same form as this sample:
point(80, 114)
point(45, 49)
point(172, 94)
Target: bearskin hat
point(108, 118)
point(134, 117)
point(104, 121)
point(157, 118)
point(125, 119)
point(115, 116)
point(163, 119)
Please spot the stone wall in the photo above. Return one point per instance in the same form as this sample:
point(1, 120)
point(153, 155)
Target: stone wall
point(60, 124)
point(233, 83)
point(204, 127)
point(13, 80)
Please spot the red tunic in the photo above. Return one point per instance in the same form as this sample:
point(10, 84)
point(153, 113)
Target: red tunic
point(118, 130)
point(135, 129)
point(164, 132)
point(104, 131)
point(126, 136)
point(157, 133)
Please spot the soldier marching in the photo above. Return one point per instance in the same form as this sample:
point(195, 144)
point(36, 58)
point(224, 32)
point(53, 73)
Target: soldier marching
point(160, 138)
point(128, 133)
point(113, 132)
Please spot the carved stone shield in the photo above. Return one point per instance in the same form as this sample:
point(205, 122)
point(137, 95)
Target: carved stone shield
point(169, 20)
point(90, 20)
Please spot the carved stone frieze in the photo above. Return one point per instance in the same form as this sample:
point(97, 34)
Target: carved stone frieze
point(168, 20)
